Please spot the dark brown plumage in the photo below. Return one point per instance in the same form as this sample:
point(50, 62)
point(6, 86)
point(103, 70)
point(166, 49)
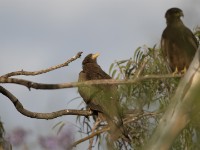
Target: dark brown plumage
point(102, 99)
point(178, 42)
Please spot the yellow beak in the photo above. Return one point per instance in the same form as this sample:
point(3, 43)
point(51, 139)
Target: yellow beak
point(94, 56)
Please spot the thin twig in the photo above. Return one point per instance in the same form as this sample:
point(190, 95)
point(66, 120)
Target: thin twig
point(35, 85)
point(138, 116)
point(141, 68)
point(90, 136)
point(93, 130)
point(33, 73)
point(52, 115)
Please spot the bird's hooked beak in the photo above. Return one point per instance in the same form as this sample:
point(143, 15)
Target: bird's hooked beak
point(94, 56)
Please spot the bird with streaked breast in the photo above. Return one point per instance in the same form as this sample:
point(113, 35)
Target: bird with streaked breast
point(102, 99)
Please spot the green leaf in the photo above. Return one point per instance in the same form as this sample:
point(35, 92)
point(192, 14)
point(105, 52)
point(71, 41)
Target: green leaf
point(111, 67)
point(113, 73)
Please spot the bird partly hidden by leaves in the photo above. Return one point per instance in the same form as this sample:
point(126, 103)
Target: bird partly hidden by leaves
point(178, 43)
point(103, 100)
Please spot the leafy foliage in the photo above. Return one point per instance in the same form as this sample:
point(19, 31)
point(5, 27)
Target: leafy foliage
point(145, 96)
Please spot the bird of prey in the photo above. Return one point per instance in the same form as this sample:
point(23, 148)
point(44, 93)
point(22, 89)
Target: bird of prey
point(178, 43)
point(102, 99)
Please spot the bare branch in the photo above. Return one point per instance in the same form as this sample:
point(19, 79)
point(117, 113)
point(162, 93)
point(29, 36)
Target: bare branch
point(32, 73)
point(47, 116)
point(30, 84)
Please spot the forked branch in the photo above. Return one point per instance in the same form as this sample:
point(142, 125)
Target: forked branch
point(47, 116)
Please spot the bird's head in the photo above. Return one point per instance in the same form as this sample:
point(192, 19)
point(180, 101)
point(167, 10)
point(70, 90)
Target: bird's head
point(91, 58)
point(173, 14)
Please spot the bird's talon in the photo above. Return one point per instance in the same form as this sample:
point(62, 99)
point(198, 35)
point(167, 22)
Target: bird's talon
point(175, 72)
point(184, 70)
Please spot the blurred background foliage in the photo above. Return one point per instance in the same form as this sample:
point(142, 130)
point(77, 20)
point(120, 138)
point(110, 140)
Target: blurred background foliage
point(145, 101)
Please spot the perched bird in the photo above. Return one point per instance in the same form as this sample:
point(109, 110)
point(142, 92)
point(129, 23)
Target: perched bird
point(178, 43)
point(102, 99)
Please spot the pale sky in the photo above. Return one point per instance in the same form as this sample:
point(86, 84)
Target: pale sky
point(38, 34)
